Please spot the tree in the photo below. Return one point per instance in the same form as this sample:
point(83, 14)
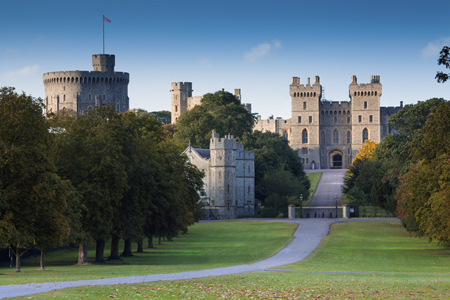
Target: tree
point(88, 153)
point(444, 59)
point(32, 192)
point(163, 116)
point(221, 111)
point(366, 151)
point(424, 195)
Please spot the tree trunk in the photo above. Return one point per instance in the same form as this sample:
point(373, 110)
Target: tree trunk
point(18, 260)
point(114, 247)
point(140, 248)
point(82, 255)
point(150, 242)
point(159, 240)
point(127, 248)
point(42, 261)
point(99, 251)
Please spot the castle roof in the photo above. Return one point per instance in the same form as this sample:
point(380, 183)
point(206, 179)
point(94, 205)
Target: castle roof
point(204, 153)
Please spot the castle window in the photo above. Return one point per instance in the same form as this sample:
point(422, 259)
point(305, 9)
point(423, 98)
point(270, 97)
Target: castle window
point(285, 134)
point(304, 105)
point(375, 93)
point(176, 108)
point(335, 113)
point(372, 93)
point(343, 112)
point(349, 138)
point(335, 137)
point(303, 161)
point(365, 104)
point(359, 119)
point(305, 136)
point(305, 151)
point(348, 151)
point(307, 160)
point(322, 151)
point(365, 134)
point(310, 119)
point(365, 93)
point(321, 120)
point(355, 94)
point(228, 188)
point(335, 119)
point(314, 94)
point(64, 99)
point(299, 119)
point(321, 113)
point(307, 95)
point(348, 112)
point(358, 93)
point(322, 138)
point(339, 112)
point(301, 94)
point(370, 118)
point(348, 119)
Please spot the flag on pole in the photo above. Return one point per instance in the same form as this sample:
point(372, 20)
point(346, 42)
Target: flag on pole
point(106, 19)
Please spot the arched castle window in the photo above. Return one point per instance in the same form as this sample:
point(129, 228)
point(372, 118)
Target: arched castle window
point(372, 93)
point(365, 93)
point(301, 94)
point(339, 112)
point(326, 113)
point(72, 80)
point(349, 137)
point(348, 112)
point(335, 119)
point(354, 94)
point(176, 108)
point(348, 119)
point(335, 113)
point(375, 93)
point(305, 136)
point(365, 134)
point(335, 137)
point(314, 94)
point(322, 138)
point(285, 134)
point(358, 94)
point(321, 113)
point(76, 80)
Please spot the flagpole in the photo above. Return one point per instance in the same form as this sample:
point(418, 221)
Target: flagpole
point(103, 21)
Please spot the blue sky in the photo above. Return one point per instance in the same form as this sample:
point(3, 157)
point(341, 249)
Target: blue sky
point(253, 45)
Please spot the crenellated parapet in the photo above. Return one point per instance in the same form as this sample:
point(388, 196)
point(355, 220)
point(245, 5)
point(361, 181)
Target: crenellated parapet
point(78, 90)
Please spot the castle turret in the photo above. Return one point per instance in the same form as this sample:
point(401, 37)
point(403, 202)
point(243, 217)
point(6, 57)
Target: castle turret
point(223, 173)
point(305, 119)
point(103, 62)
point(365, 119)
point(180, 92)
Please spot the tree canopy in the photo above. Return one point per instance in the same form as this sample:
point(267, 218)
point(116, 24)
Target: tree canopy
point(444, 59)
point(221, 111)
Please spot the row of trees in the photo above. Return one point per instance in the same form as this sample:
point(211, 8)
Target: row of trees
point(94, 177)
point(408, 171)
point(279, 174)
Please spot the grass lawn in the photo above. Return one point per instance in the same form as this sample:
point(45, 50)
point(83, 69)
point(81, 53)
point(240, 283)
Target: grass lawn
point(206, 245)
point(374, 247)
point(314, 179)
point(271, 285)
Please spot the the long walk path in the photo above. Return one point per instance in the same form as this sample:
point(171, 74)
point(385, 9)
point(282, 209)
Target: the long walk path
point(330, 184)
point(306, 238)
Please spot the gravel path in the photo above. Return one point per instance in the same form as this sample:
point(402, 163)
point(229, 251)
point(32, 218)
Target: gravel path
point(306, 238)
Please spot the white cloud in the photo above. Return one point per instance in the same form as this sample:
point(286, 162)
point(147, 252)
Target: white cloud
point(262, 50)
point(433, 48)
point(21, 73)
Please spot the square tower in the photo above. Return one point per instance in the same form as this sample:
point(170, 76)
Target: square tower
point(305, 120)
point(103, 62)
point(180, 92)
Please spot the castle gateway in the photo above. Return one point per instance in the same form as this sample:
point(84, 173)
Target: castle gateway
point(327, 134)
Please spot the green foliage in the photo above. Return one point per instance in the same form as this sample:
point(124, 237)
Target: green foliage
point(34, 203)
point(274, 155)
point(220, 111)
point(356, 196)
point(424, 195)
point(444, 59)
point(278, 185)
point(163, 116)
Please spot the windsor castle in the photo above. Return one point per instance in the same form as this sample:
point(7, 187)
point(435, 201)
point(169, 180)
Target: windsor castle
point(326, 134)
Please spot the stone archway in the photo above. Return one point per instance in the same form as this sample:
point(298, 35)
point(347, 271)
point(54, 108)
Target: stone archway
point(336, 158)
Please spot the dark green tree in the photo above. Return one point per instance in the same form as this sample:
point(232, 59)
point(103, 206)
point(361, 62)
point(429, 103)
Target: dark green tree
point(88, 153)
point(31, 190)
point(163, 116)
point(220, 111)
point(444, 59)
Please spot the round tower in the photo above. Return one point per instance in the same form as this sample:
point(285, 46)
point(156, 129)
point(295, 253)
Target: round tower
point(77, 90)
